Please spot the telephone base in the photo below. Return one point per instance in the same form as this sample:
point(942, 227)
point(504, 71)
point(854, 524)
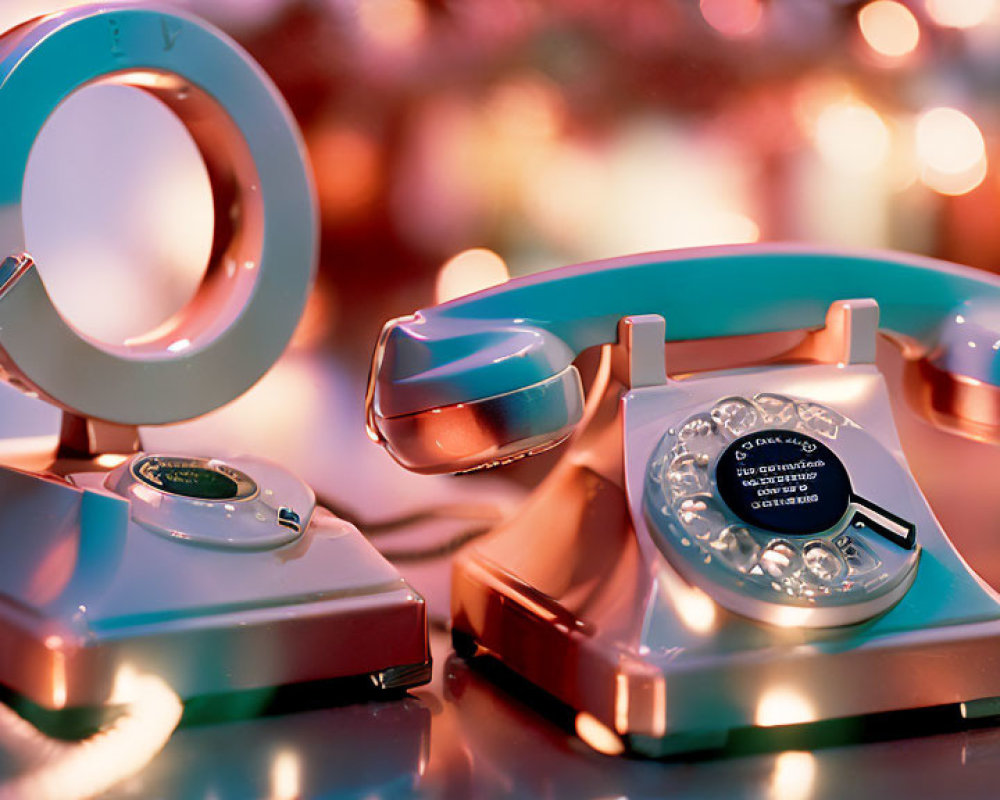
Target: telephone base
point(740, 741)
point(132, 571)
point(584, 668)
point(269, 650)
point(572, 614)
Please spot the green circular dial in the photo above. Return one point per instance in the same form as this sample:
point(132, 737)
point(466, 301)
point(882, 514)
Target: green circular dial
point(197, 478)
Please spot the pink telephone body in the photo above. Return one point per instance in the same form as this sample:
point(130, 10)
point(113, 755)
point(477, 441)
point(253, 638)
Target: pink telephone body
point(773, 507)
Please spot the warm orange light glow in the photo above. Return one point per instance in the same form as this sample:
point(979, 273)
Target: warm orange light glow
point(814, 95)
point(959, 13)
point(951, 151)
point(526, 107)
point(87, 768)
point(393, 24)
point(651, 705)
point(733, 18)
point(671, 189)
point(621, 702)
point(783, 705)
point(794, 776)
point(695, 608)
point(109, 460)
point(348, 171)
point(318, 318)
point(286, 776)
point(889, 28)
point(564, 196)
point(948, 140)
point(952, 184)
point(468, 272)
point(851, 136)
point(59, 679)
point(598, 735)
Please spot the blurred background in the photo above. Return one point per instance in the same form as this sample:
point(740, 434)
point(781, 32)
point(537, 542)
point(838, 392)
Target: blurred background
point(455, 142)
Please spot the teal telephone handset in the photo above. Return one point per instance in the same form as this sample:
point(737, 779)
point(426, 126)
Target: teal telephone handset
point(733, 546)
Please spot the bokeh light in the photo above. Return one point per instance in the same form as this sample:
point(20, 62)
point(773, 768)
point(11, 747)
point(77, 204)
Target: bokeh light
point(392, 24)
point(695, 608)
point(783, 705)
point(951, 151)
point(794, 776)
point(468, 272)
point(959, 13)
point(653, 186)
point(948, 140)
point(852, 136)
point(889, 28)
point(286, 776)
point(348, 171)
point(525, 107)
point(598, 735)
point(732, 18)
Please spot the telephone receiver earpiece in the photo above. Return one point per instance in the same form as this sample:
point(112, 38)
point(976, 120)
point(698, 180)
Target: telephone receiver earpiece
point(963, 368)
point(535, 406)
point(489, 377)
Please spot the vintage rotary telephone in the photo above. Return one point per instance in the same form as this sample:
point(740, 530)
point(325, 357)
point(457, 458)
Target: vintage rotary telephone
point(742, 543)
point(217, 575)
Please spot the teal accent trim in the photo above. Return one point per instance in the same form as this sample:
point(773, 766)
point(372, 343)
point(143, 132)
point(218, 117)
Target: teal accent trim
point(522, 332)
point(8, 268)
point(944, 593)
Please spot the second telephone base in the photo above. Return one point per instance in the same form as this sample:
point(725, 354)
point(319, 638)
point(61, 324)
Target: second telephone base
point(745, 739)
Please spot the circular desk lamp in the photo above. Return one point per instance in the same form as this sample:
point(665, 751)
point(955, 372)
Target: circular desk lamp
point(265, 239)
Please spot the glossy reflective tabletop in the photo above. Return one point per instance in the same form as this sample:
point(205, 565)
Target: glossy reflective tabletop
point(462, 737)
point(475, 731)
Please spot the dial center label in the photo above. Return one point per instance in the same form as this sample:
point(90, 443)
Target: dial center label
point(783, 481)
